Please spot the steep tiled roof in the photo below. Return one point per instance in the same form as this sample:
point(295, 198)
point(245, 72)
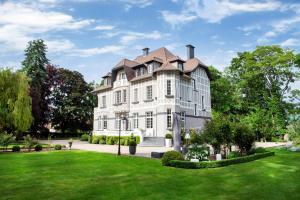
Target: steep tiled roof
point(128, 63)
point(167, 67)
point(161, 53)
point(192, 64)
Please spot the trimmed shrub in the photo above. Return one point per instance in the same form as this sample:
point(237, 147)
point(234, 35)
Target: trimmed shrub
point(16, 148)
point(169, 136)
point(102, 139)
point(233, 154)
point(95, 140)
point(132, 143)
point(109, 140)
point(57, 147)
point(220, 163)
point(197, 152)
point(38, 147)
point(171, 155)
point(84, 137)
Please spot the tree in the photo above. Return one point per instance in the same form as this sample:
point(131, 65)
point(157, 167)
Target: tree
point(15, 102)
point(243, 137)
point(73, 102)
point(6, 139)
point(34, 66)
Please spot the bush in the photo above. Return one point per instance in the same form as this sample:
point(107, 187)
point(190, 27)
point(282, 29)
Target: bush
point(38, 147)
point(233, 154)
point(29, 142)
point(169, 136)
point(243, 137)
point(132, 143)
point(84, 137)
point(102, 139)
point(6, 139)
point(90, 139)
point(220, 163)
point(198, 152)
point(16, 148)
point(171, 155)
point(109, 140)
point(95, 140)
point(57, 147)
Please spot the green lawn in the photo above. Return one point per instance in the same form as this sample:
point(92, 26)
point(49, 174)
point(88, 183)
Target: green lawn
point(89, 175)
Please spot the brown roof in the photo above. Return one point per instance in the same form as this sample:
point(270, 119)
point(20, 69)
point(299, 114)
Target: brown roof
point(176, 58)
point(192, 64)
point(102, 87)
point(126, 62)
point(161, 53)
point(145, 76)
point(167, 67)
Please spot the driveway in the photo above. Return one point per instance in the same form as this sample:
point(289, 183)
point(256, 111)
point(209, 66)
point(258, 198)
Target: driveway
point(81, 145)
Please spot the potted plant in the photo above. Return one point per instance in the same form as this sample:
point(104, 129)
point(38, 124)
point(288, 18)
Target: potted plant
point(132, 147)
point(70, 143)
point(168, 140)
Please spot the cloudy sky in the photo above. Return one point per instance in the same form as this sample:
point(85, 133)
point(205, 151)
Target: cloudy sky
point(91, 36)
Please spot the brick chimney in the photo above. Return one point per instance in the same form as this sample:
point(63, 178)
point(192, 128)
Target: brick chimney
point(190, 51)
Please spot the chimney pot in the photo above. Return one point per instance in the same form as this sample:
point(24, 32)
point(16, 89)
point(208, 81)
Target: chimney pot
point(145, 51)
point(190, 51)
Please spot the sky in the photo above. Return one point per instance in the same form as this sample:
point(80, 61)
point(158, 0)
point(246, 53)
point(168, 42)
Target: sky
point(92, 36)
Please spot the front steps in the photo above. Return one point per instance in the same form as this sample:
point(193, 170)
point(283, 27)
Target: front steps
point(153, 142)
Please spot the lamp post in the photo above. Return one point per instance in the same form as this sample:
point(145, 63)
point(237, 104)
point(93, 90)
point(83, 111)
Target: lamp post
point(121, 117)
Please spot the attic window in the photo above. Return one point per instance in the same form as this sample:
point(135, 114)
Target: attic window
point(180, 66)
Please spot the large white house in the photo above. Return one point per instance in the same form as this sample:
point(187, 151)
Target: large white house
point(146, 91)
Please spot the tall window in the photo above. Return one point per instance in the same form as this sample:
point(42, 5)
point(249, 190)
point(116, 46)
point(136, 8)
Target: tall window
point(104, 122)
point(182, 119)
point(169, 87)
point(149, 119)
point(117, 122)
point(202, 101)
point(99, 123)
point(169, 118)
point(136, 95)
point(103, 101)
point(195, 110)
point(180, 66)
point(118, 97)
point(124, 96)
point(194, 84)
point(135, 120)
point(123, 76)
point(149, 92)
point(150, 68)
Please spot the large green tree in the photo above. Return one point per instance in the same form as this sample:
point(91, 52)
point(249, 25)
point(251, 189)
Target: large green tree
point(15, 102)
point(34, 66)
point(72, 101)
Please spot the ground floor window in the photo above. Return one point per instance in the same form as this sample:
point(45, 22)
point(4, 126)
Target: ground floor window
point(182, 119)
point(99, 123)
point(149, 119)
point(104, 122)
point(117, 122)
point(169, 118)
point(135, 120)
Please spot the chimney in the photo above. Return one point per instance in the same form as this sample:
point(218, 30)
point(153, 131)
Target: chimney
point(190, 51)
point(145, 51)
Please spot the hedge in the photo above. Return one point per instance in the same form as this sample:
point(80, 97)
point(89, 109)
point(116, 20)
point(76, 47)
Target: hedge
point(111, 140)
point(220, 163)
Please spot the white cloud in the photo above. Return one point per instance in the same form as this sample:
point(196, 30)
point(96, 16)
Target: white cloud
point(290, 42)
point(104, 27)
point(130, 37)
point(114, 49)
point(214, 11)
point(59, 45)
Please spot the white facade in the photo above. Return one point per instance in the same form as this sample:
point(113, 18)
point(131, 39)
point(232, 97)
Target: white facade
point(149, 100)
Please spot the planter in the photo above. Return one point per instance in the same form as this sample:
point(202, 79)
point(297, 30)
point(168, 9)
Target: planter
point(168, 142)
point(132, 150)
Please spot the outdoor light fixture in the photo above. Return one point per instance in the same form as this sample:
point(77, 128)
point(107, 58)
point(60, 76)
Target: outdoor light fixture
point(122, 116)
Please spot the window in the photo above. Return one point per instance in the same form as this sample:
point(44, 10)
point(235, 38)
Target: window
point(149, 120)
point(99, 123)
point(194, 84)
point(149, 92)
point(138, 72)
point(150, 68)
point(182, 119)
point(135, 120)
point(118, 97)
point(123, 75)
point(104, 122)
point(117, 122)
point(169, 118)
point(169, 87)
point(202, 100)
point(180, 66)
point(195, 110)
point(103, 101)
point(124, 96)
point(135, 95)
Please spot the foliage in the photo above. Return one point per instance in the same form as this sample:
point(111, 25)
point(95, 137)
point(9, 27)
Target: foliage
point(6, 139)
point(95, 140)
point(16, 148)
point(243, 137)
point(84, 137)
point(171, 155)
point(169, 136)
point(233, 154)
point(15, 102)
point(29, 142)
point(195, 137)
point(34, 66)
point(132, 143)
point(38, 147)
point(294, 132)
point(57, 147)
point(102, 139)
point(212, 134)
point(198, 152)
point(219, 163)
point(257, 150)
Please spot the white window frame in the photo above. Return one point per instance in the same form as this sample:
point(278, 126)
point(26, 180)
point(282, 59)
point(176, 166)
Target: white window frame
point(169, 87)
point(202, 101)
point(104, 101)
point(135, 120)
point(118, 97)
point(124, 96)
point(195, 109)
point(104, 121)
point(169, 118)
point(149, 92)
point(149, 120)
point(135, 93)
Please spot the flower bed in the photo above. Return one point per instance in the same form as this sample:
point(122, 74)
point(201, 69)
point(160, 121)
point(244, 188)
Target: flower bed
point(220, 163)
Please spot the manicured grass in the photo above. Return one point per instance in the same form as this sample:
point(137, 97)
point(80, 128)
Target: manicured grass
point(89, 175)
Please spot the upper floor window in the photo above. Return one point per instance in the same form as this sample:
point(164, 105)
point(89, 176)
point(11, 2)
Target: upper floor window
point(118, 97)
point(169, 118)
point(138, 72)
point(135, 95)
point(124, 96)
point(149, 92)
point(182, 119)
point(169, 91)
point(149, 119)
point(202, 101)
point(195, 109)
point(194, 84)
point(180, 66)
point(150, 68)
point(103, 101)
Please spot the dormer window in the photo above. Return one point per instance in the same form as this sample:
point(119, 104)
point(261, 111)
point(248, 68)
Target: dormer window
point(180, 66)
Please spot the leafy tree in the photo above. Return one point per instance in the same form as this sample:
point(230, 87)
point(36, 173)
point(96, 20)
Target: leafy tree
point(15, 102)
point(73, 102)
point(34, 66)
point(6, 139)
point(243, 137)
point(211, 134)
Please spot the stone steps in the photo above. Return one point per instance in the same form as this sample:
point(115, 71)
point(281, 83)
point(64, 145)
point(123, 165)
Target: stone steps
point(153, 142)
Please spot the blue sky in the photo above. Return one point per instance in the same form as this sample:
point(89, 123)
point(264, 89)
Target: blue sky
point(91, 36)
